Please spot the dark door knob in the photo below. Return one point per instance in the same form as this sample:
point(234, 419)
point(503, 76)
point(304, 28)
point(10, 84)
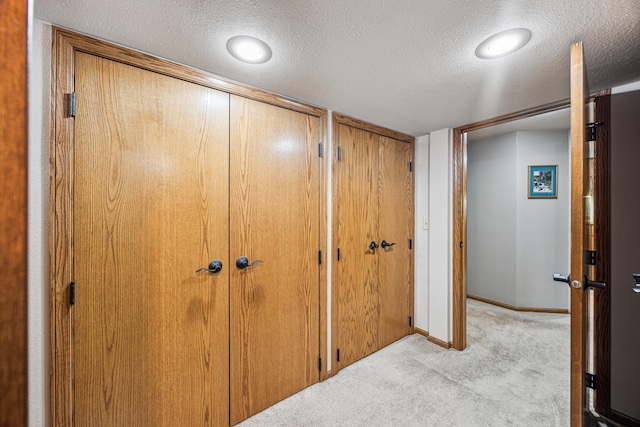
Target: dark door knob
point(384, 244)
point(214, 267)
point(636, 288)
point(593, 284)
point(243, 262)
point(373, 245)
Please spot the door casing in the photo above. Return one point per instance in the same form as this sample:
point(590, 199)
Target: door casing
point(601, 300)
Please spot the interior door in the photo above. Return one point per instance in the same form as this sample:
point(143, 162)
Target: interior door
point(395, 221)
point(582, 236)
point(150, 207)
point(358, 285)
point(14, 27)
point(274, 190)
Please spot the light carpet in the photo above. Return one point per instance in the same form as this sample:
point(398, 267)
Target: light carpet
point(514, 372)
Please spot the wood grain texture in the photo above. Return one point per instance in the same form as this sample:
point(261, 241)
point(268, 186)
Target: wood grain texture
point(530, 112)
point(61, 252)
point(83, 43)
point(150, 207)
point(357, 226)
point(373, 201)
point(13, 213)
point(322, 237)
point(421, 332)
point(459, 338)
point(359, 124)
point(66, 45)
point(395, 220)
point(579, 186)
point(602, 309)
point(443, 344)
point(274, 309)
point(515, 308)
point(335, 241)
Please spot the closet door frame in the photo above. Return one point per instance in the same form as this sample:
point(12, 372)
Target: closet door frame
point(337, 120)
point(65, 45)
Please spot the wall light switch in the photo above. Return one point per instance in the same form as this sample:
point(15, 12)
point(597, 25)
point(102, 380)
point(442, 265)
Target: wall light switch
point(425, 223)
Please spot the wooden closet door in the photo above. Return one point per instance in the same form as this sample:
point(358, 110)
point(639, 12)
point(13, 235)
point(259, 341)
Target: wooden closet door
point(358, 293)
point(395, 219)
point(150, 170)
point(274, 214)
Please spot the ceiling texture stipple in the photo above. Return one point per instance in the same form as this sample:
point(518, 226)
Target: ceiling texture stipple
point(408, 65)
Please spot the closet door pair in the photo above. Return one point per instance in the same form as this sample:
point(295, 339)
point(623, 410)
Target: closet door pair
point(375, 232)
point(168, 177)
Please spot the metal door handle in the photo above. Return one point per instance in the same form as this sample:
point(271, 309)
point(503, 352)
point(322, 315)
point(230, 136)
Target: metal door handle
point(384, 244)
point(593, 284)
point(567, 279)
point(214, 267)
point(373, 245)
point(636, 288)
point(243, 262)
point(560, 278)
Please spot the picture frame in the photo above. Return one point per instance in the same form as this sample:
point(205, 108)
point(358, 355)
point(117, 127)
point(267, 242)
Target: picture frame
point(543, 182)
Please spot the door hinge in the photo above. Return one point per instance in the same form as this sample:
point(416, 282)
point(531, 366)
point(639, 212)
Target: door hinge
point(590, 257)
point(338, 355)
point(410, 244)
point(410, 321)
point(410, 166)
point(72, 104)
point(319, 257)
point(591, 130)
point(320, 150)
point(461, 245)
point(320, 364)
point(590, 380)
point(338, 254)
point(72, 293)
point(339, 153)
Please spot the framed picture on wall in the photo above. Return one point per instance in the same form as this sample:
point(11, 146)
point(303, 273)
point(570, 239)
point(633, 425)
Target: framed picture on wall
point(543, 182)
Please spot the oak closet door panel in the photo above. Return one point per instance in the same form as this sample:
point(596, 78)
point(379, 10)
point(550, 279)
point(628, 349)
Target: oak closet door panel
point(150, 207)
point(274, 218)
point(358, 294)
point(394, 222)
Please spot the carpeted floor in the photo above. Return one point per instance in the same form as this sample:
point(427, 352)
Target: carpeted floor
point(514, 372)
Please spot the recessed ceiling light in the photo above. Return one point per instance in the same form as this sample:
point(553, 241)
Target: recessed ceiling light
point(249, 49)
point(503, 43)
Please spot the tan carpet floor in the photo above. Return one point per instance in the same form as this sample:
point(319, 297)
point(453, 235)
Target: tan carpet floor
point(514, 372)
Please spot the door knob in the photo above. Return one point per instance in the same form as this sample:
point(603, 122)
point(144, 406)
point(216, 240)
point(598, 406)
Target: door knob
point(636, 288)
point(560, 278)
point(384, 244)
point(243, 262)
point(373, 245)
point(593, 284)
point(567, 279)
point(214, 267)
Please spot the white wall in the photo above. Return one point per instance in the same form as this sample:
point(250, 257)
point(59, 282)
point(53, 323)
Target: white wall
point(38, 233)
point(515, 244)
point(543, 226)
point(440, 222)
point(491, 218)
point(421, 247)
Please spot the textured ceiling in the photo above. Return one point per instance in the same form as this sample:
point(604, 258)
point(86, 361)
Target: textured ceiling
point(406, 64)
